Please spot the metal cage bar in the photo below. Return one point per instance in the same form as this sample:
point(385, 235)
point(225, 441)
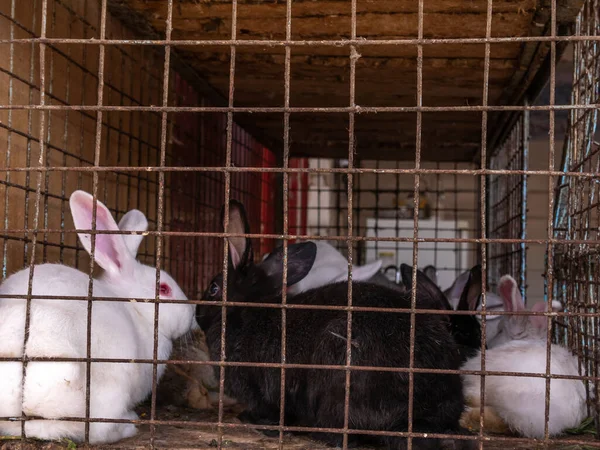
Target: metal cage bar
point(147, 137)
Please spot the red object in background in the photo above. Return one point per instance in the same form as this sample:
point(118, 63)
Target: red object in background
point(267, 210)
point(298, 197)
point(196, 198)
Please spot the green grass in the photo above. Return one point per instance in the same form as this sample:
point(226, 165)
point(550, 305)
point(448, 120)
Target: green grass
point(586, 427)
point(70, 444)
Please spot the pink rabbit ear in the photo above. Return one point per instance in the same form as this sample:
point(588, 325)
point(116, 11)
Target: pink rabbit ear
point(541, 306)
point(539, 321)
point(510, 294)
point(110, 251)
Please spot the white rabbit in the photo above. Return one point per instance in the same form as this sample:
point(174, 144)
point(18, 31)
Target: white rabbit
point(511, 327)
point(519, 402)
point(58, 328)
point(330, 267)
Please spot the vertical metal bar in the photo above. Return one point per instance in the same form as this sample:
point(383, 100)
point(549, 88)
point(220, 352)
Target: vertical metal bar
point(98, 142)
point(48, 138)
point(84, 84)
point(436, 220)
point(286, 181)
point(551, 182)
point(415, 257)
point(227, 174)
point(482, 199)
point(38, 195)
point(354, 56)
point(357, 208)
point(524, 166)
point(160, 215)
point(11, 69)
point(65, 139)
point(30, 126)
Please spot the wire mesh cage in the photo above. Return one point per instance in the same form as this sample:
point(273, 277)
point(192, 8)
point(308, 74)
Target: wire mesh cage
point(576, 212)
point(191, 149)
point(508, 196)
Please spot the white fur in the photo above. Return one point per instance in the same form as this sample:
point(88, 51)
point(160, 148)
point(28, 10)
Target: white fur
point(520, 401)
point(518, 327)
point(120, 330)
point(520, 346)
point(331, 266)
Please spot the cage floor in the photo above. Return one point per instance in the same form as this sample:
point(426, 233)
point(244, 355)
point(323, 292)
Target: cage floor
point(205, 437)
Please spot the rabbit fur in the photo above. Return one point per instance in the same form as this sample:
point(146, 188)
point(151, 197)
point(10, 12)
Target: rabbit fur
point(520, 401)
point(493, 302)
point(464, 328)
point(58, 328)
point(313, 397)
point(331, 266)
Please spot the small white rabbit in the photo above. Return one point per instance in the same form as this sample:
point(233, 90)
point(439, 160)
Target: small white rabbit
point(519, 402)
point(331, 267)
point(58, 328)
point(521, 327)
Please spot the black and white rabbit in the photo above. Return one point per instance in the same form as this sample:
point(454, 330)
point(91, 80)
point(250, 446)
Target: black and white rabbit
point(315, 397)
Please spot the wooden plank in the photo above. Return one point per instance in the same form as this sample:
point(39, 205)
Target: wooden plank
point(498, 51)
point(386, 75)
point(369, 25)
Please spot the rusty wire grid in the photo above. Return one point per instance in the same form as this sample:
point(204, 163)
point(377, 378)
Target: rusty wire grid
point(507, 197)
point(577, 212)
point(126, 125)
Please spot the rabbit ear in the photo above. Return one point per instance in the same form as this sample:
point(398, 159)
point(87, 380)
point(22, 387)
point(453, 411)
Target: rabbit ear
point(300, 259)
point(363, 273)
point(134, 220)
point(425, 287)
point(406, 274)
point(510, 294)
point(240, 248)
point(457, 288)
point(471, 293)
point(540, 321)
point(110, 251)
point(431, 273)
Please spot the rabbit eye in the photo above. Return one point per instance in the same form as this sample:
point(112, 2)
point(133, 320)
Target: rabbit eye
point(213, 290)
point(165, 289)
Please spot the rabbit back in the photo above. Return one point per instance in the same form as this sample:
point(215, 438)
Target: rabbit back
point(520, 401)
point(315, 397)
point(58, 329)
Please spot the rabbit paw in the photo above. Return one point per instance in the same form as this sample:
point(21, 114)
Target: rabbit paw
point(113, 432)
point(492, 422)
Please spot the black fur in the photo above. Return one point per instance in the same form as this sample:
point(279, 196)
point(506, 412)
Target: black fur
point(315, 397)
point(465, 328)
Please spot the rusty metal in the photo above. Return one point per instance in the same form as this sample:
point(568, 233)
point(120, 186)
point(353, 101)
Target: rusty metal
point(483, 209)
point(161, 212)
point(551, 184)
point(357, 109)
point(358, 42)
point(38, 193)
point(567, 243)
point(577, 212)
point(508, 197)
point(178, 423)
point(285, 211)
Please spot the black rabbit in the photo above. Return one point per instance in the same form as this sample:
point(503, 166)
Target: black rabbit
point(465, 329)
point(315, 397)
